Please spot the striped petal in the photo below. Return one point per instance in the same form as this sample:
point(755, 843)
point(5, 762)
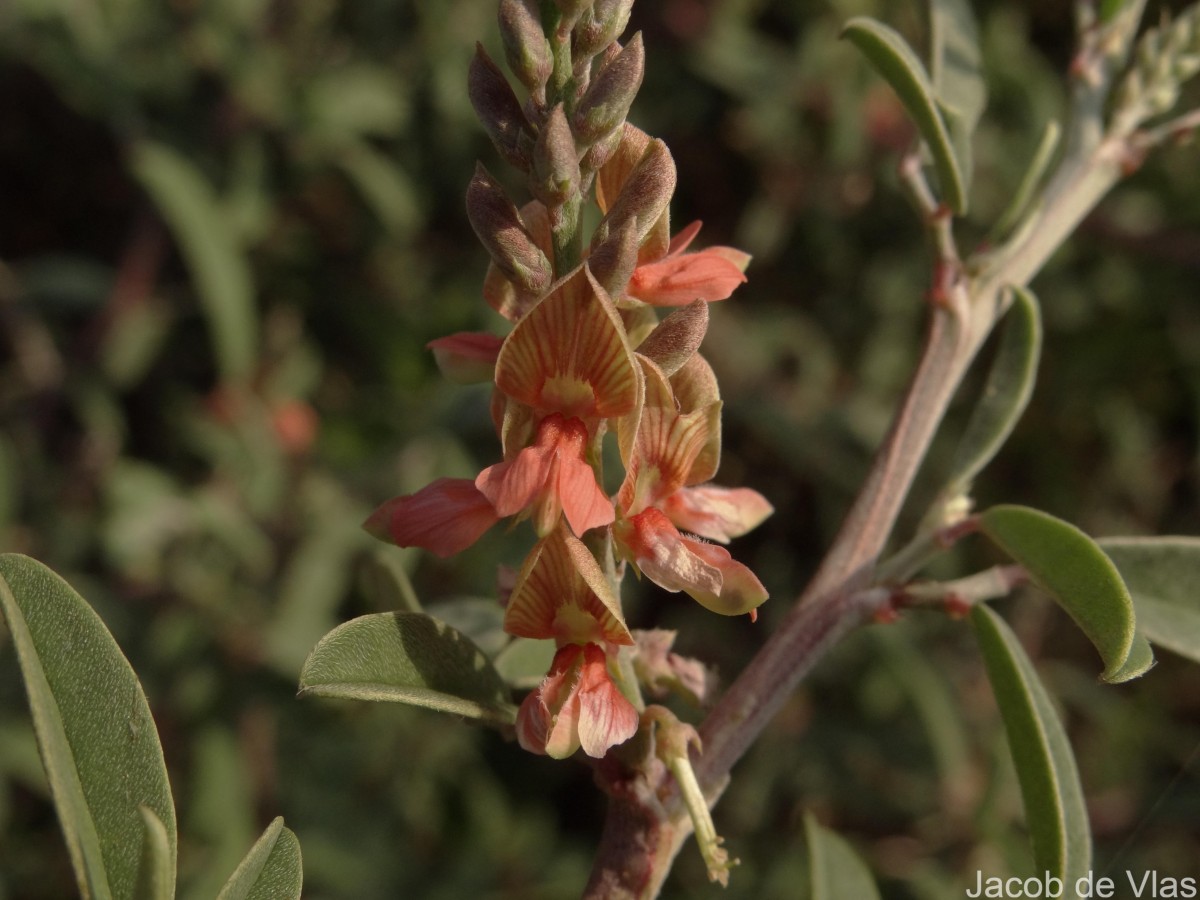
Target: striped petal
point(666, 447)
point(569, 354)
point(562, 594)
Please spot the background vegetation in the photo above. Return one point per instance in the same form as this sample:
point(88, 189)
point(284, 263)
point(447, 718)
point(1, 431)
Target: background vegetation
point(229, 227)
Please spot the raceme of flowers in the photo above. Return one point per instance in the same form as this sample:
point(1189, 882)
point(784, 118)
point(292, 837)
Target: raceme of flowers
point(588, 357)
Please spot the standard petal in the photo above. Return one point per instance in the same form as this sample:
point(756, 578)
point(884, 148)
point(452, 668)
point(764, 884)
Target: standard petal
point(562, 594)
point(716, 513)
point(444, 517)
point(666, 446)
point(569, 354)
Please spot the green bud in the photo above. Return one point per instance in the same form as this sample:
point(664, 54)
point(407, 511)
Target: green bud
point(499, 228)
point(555, 175)
point(571, 11)
point(600, 26)
point(605, 104)
point(525, 46)
point(499, 110)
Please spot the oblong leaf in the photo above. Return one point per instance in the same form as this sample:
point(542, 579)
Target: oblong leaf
point(835, 870)
point(95, 733)
point(1006, 394)
point(407, 657)
point(1163, 577)
point(955, 71)
point(1072, 568)
point(1054, 807)
point(895, 61)
point(218, 265)
point(272, 870)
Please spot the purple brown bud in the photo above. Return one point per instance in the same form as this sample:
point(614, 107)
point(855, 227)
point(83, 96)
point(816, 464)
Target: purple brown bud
point(499, 110)
point(605, 104)
point(571, 11)
point(525, 46)
point(555, 174)
point(644, 196)
point(600, 26)
point(612, 262)
point(501, 231)
point(677, 337)
point(600, 152)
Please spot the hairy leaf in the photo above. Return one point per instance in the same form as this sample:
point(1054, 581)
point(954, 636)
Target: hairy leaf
point(1054, 808)
point(156, 871)
point(407, 657)
point(1006, 394)
point(1072, 568)
point(272, 869)
point(96, 736)
point(896, 62)
point(1163, 576)
point(835, 869)
point(955, 73)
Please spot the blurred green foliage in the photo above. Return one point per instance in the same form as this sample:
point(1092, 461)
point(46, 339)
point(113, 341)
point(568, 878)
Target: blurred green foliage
point(229, 227)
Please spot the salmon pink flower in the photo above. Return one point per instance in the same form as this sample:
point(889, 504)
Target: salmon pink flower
point(705, 572)
point(569, 354)
point(444, 517)
point(680, 277)
point(577, 705)
point(549, 477)
point(562, 594)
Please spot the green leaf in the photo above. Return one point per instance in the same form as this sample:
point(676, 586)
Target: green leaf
point(96, 736)
point(210, 248)
point(272, 869)
point(1054, 808)
point(156, 872)
point(525, 662)
point(1006, 394)
point(896, 62)
point(1163, 576)
point(406, 657)
point(955, 73)
point(1072, 568)
point(835, 870)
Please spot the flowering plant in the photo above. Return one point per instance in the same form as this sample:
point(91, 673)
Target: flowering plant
point(607, 419)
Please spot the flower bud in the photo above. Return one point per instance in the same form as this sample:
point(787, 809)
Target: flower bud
point(601, 151)
point(499, 110)
point(677, 337)
point(600, 26)
point(525, 46)
point(555, 175)
point(501, 231)
point(613, 261)
point(644, 196)
point(571, 11)
point(605, 104)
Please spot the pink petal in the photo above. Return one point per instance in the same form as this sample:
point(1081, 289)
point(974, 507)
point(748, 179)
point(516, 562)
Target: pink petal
point(659, 551)
point(583, 501)
point(678, 280)
point(717, 513)
point(741, 591)
point(684, 239)
point(512, 486)
point(606, 717)
point(444, 517)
